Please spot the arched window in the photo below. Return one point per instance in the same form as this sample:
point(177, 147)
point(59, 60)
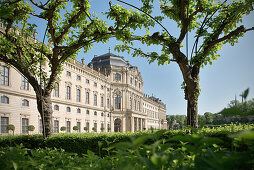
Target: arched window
point(117, 77)
point(78, 95)
point(68, 109)
point(78, 110)
point(95, 100)
point(5, 99)
point(87, 112)
point(95, 113)
point(117, 101)
point(56, 107)
point(87, 97)
point(68, 93)
point(130, 103)
point(5, 75)
point(56, 94)
point(25, 102)
point(24, 83)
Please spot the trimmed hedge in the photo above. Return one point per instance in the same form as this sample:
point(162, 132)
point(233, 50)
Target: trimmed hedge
point(97, 142)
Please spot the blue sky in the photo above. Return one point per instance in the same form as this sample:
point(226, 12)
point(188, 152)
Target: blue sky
point(231, 74)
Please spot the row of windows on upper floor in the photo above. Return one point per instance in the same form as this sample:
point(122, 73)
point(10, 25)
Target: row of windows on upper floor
point(56, 128)
point(78, 110)
point(68, 74)
point(24, 82)
point(25, 86)
point(5, 100)
point(117, 77)
point(25, 102)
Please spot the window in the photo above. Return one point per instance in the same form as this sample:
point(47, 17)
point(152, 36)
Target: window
point(107, 103)
point(102, 126)
point(24, 125)
point(139, 85)
point(68, 109)
point(78, 77)
point(56, 107)
point(68, 93)
point(68, 126)
point(95, 84)
point(138, 106)
point(117, 77)
point(24, 84)
point(78, 110)
point(101, 113)
point(95, 126)
point(135, 83)
point(87, 112)
point(4, 123)
point(78, 124)
point(102, 87)
point(117, 101)
point(95, 100)
point(5, 75)
point(5, 99)
point(95, 113)
point(41, 128)
point(68, 74)
point(25, 102)
point(135, 104)
point(78, 95)
point(87, 97)
point(56, 94)
point(87, 125)
point(101, 101)
point(56, 126)
point(130, 103)
point(87, 81)
point(130, 80)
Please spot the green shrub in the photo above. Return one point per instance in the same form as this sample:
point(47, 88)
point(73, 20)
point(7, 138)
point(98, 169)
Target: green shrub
point(94, 129)
point(86, 129)
point(75, 128)
point(63, 128)
point(11, 127)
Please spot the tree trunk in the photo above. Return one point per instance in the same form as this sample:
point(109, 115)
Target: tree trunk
point(192, 94)
point(44, 105)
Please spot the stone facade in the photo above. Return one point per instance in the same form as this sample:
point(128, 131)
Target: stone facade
point(107, 94)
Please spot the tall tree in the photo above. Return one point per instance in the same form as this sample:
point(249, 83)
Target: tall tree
point(214, 23)
point(70, 27)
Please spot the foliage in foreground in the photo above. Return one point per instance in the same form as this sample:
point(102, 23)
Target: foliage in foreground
point(193, 151)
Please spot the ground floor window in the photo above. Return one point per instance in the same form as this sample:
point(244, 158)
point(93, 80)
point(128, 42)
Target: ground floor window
point(24, 125)
point(78, 124)
point(68, 126)
point(41, 127)
point(87, 126)
point(56, 126)
point(4, 123)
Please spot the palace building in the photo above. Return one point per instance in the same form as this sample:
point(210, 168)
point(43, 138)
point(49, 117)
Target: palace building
point(105, 96)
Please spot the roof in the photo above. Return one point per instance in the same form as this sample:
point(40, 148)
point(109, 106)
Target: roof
point(109, 59)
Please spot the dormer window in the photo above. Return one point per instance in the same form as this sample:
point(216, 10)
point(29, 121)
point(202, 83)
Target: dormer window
point(68, 74)
point(117, 77)
point(25, 102)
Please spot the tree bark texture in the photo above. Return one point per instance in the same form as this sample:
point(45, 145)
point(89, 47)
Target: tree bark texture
point(44, 105)
point(191, 79)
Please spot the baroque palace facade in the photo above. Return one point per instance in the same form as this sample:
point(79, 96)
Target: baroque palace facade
point(107, 94)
